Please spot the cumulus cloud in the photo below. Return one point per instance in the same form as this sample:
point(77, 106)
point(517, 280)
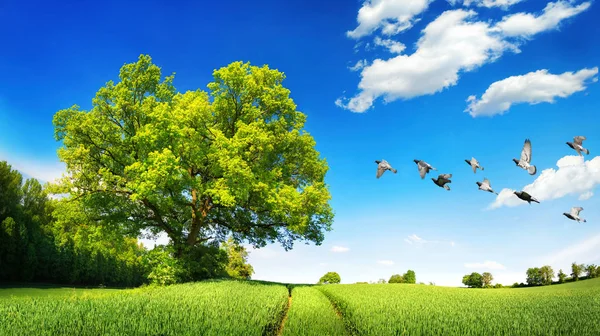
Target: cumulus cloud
point(339, 249)
point(392, 46)
point(527, 24)
point(533, 88)
point(385, 262)
point(586, 196)
point(452, 43)
point(573, 176)
point(392, 16)
point(503, 4)
point(492, 265)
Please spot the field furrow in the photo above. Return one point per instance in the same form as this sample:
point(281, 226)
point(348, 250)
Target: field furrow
point(312, 314)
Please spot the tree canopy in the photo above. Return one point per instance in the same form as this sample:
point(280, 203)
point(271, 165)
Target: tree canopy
point(197, 165)
point(330, 278)
point(473, 280)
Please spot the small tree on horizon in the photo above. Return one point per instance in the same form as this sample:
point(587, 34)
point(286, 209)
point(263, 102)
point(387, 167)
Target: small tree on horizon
point(410, 277)
point(396, 278)
point(486, 279)
point(561, 276)
point(330, 278)
point(473, 280)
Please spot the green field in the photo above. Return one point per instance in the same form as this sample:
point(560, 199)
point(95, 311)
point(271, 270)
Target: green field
point(260, 308)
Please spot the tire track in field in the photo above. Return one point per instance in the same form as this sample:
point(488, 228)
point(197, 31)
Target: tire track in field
point(285, 313)
point(339, 314)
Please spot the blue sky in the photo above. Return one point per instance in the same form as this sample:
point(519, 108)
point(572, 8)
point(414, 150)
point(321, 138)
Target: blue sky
point(437, 80)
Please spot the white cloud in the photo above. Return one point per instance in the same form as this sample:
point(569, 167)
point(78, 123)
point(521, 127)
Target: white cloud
point(503, 4)
point(452, 43)
point(392, 46)
point(586, 251)
point(527, 24)
point(533, 88)
point(414, 239)
point(339, 249)
point(385, 262)
point(322, 264)
point(573, 176)
point(392, 16)
point(359, 65)
point(586, 196)
point(492, 265)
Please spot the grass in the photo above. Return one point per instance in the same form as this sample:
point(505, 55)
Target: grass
point(570, 309)
point(261, 308)
point(311, 313)
point(206, 308)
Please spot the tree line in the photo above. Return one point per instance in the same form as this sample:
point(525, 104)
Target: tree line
point(409, 277)
point(536, 276)
point(55, 241)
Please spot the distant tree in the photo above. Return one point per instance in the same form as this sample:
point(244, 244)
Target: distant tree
point(515, 285)
point(396, 278)
point(561, 276)
point(597, 271)
point(591, 271)
point(330, 278)
point(421, 283)
point(534, 276)
point(431, 283)
point(381, 281)
point(410, 277)
point(361, 283)
point(546, 275)
point(237, 266)
point(473, 280)
point(498, 285)
point(576, 270)
point(487, 278)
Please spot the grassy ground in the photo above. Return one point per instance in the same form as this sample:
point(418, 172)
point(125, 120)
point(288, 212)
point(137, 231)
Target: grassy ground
point(263, 308)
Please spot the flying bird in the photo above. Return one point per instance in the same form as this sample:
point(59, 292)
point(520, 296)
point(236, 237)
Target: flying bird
point(574, 214)
point(382, 166)
point(577, 145)
point(525, 197)
point(474, 164)
point(525, 161)
point(442, 180)
point(423, 167)
point(486, 186)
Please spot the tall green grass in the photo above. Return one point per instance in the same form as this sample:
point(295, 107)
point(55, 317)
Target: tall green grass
point(571, 309)
point(312, 314)
point(210, 308)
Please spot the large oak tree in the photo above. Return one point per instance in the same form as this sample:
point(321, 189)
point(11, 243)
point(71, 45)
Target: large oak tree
point(197, 165)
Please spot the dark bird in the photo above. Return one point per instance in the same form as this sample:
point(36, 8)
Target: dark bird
point(423, 167)
point(577, 145)
point(525, 161)
point(382, 166)
point(474, 164)
point(442, 180)
point(574, 214)
point(525, 197)
point(486, 186)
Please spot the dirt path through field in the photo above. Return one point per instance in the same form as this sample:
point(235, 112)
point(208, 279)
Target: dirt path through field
point(287, 309)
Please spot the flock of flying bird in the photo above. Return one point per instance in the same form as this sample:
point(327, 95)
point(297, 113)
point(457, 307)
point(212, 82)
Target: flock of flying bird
point(524, 163)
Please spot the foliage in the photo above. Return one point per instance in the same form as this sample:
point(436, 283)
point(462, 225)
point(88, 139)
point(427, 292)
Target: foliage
point(546, 275)
point(568, 309)
point(311, 313)
point(330, 278)
point(211, 308)
point(473, 280)
point(396, 278)
point(409, 277)
point(486, 279)
point(43, 240)
point(591, 270)
point(197, 165)
point(237, 266)
point(576, 270)
point(561, 276)
point(381, 281)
